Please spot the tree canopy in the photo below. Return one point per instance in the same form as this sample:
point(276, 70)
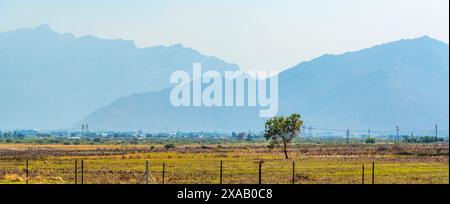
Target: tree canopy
point(283, 130)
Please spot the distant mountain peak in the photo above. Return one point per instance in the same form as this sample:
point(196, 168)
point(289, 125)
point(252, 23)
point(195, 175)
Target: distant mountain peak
point(422, 39)
point(43, 27)
point(425, 40)
point(177, 45)
point(425, 37)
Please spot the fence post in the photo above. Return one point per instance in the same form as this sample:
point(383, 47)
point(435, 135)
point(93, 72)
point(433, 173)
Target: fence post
point(146, 172)
point(82, 171)
point(163, 172)
point(76, 171)
point(373, 173)
point(363, 174)
point(221, 169)
point(260, 172)
point(293, 172)
point(26, 171)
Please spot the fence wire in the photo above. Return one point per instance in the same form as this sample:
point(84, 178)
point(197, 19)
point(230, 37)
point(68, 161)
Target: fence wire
point(96, 171)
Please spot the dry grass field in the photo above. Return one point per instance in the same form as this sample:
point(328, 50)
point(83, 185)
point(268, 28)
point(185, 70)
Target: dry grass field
point(200, 164)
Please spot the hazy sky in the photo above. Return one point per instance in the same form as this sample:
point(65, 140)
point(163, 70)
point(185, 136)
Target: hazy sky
point(256, 34)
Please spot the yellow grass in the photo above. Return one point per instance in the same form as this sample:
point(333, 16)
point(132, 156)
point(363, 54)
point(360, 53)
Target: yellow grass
point(190, 164)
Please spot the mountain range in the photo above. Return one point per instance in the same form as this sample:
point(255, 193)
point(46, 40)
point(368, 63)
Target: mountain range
point(403, 83)
point(50, 80)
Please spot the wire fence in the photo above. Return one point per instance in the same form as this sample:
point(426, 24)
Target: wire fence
point(223, 172)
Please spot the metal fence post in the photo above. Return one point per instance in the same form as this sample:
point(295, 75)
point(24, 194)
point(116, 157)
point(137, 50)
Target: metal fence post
point(82, 171)
point(146, 172)
point(76, 171)
point(260, 172)
point(163, 173)
point(26, 171)
point(221, 169)
point(373, 173)
point(293, 172)
point(363, 174)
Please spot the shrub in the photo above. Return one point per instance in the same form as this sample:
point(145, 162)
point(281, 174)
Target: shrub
point(205, 147)
point(169, 146)
point(370, 141)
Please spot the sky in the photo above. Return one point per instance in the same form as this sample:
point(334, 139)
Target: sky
point(255, 34)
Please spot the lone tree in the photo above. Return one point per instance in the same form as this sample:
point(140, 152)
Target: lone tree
point(283, 130)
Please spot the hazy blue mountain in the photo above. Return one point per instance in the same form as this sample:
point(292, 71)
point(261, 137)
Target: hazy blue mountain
point(404, 82)
point(51, 80)
point(153, 111)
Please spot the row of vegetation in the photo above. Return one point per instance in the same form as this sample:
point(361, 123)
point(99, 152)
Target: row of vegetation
point(206, 141)
point(279, 132)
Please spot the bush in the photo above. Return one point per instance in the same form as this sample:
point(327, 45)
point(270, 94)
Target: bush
point(169, 146)
point(205, 147)
point(370, 141)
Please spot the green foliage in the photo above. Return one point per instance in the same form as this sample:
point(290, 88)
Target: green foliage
point(169, 146)
point(282, 130)
point(370, 141)
point(424, 139)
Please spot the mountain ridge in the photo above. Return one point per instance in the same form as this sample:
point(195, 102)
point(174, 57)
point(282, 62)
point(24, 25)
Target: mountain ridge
point(63, 77)
point(370, 88)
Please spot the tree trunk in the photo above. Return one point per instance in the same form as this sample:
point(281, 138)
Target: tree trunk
point(285, 150)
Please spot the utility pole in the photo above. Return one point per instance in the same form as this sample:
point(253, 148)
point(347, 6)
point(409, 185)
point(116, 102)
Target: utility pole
point(436, 133)
point(348, 136)
point(397, 138)
point(369, 134)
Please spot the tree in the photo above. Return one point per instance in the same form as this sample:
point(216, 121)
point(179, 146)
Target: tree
point(283, 130)
point(370, 140)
